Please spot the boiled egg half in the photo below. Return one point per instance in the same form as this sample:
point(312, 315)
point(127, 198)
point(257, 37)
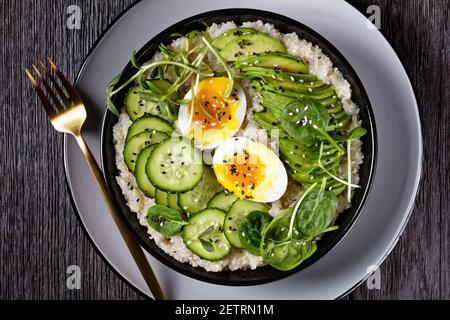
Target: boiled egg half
point(212, 118)
point(250, 170)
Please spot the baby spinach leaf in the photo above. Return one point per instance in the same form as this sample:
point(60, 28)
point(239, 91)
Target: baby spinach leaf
point(279, 248)
point(288, 240)
point(306, 121)
point(250, 230)
point(316, 212)
point(165, 220)
point(288, 255)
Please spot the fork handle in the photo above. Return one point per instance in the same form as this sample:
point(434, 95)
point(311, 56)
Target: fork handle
point(135, 250)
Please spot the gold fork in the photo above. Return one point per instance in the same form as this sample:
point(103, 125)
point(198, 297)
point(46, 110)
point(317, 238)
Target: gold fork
point(67, 114)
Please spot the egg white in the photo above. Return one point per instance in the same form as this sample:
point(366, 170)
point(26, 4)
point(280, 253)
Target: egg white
point(216, 135)
point(275, 179)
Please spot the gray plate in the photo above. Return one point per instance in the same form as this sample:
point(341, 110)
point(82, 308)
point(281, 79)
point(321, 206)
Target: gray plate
point(399, 142)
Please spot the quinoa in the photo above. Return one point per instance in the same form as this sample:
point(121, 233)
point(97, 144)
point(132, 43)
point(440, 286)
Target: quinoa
point(320, 65)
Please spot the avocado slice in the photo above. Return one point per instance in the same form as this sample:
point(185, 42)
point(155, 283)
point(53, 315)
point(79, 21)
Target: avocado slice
point(275, 61)
point(250, 44)
point(226, 37)
point(304, 81)
point(255, 72)
point(274, 102)
point(304, 87)
point(268, 122)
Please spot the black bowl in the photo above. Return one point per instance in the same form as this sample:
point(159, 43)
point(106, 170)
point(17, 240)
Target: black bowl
point(346, 219)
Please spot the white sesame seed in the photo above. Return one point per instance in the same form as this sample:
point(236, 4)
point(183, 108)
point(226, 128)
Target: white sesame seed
point(315, 127)
point(292, 78)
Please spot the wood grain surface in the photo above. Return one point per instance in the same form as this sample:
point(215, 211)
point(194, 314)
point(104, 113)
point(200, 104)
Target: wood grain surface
point(40, 235)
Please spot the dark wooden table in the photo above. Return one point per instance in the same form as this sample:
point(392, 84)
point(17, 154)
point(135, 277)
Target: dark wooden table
point(39, 233)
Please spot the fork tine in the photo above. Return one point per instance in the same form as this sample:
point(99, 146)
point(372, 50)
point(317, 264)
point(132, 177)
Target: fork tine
point(58, 88)
point(72, 93)
point(48, 89)
point(47, 106)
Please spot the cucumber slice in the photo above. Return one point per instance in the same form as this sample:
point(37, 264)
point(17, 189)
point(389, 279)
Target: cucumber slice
point(222, 200)
point(175, 166)
point(148, 123)
point(204, 235)
point(139, 172)
point(196, 200)
point(167, 199)
point(172, 201)
point(139, 142)
point(161, 197)
point(136, 106)
point(239, 210)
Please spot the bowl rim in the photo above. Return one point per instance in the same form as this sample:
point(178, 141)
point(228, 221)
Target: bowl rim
point(188, 271)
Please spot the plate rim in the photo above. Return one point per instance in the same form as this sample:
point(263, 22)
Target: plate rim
point(394, 241)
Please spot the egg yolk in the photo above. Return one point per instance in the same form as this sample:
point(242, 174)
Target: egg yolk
point(211, 109)
point(241, 174)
